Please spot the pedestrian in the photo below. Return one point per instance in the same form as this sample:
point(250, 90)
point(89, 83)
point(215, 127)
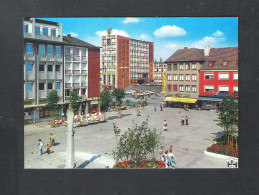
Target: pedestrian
point(186, 120)
point(154, 107)
point(187, 106)
point(182, 120)
point(161, 107)
point(171, 149)
point(170, 158)
point(40, 144)
point(161, 152)
point(52, 140)
point(48, 147)
point(165, 125)
point(165, 156)
point(138, 112)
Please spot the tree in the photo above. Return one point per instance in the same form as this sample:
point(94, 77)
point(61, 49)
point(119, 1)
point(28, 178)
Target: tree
point(52, 103)
point(128, 102)
point(119, 94)
point(105, 99)
point(160, 60)
point(137, 143)
point(228, 118)
point(74, 100)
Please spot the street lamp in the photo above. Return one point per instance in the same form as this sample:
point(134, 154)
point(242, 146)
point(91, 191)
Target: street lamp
point(123, 67)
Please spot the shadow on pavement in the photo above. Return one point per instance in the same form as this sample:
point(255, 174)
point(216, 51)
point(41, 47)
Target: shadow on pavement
point(87, 162)
point(218, 134)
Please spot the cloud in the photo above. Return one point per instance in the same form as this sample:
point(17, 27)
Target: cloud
point(114, 32)
point(171, 46)
point(218, 33)
point(169, 31)
point(164, 50)
point(73, 34)
point(130, 20)
point(204, 42)
point(144, 37)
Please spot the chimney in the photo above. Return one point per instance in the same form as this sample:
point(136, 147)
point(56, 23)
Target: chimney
point(207, 50)
point(68, 35)
point(185, 48)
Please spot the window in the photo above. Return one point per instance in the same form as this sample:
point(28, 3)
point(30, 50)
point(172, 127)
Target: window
point(113, 79)
point(67, 92)
point(76, 51)
point(169, 87)
point(29, 48)
point(41, 67)
point(46, 31)
point(224, 88)
point(50, 86)
point(50, 68)
point(187, 88)
point(58, 68)
point(194, 88)
point(169, 77)
point(175, 77)
point(104, 79)
point(50, 50)
point(175, 66)
point(29, 86)
point(181, 67)
point(42, 49)
point(41, 86)
point(211, 63)
point(235, 76)
point(209, 88)
point(83, 91)
point(169, 67)
point(28, 67)
point(53, 32)
point(25, 28)
point(181, 77)
point(83, 52)
point(76, 66)
point(236, 88)
point(37, 30)
point(223, 76)
point(58, 50)
point(209, 76)
point(187, 66)
point(194, 77)
point(194, 66)
point(187, 77)
point(181, 88)
point(57, 85)
point(68, 50)
point(224, 63)
point(175, 87)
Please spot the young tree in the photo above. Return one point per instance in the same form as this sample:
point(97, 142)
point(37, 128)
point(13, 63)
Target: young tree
point(74, 100)
point(137, 143)
point(52, 103)
point(160, 60)
point(228, 118)
point(105, 99)
point(119, 94)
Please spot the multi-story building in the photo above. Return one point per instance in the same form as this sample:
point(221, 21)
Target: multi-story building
point(218, 75)
point(159, 69)
point(43, 64)
point(82, 69)
point(45, 53)
point(125, 61)
point(182, 76)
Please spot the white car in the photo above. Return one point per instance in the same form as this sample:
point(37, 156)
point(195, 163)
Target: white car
point(128, 92)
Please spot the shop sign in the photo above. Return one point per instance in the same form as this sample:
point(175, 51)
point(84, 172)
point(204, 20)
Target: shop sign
point(94, 102)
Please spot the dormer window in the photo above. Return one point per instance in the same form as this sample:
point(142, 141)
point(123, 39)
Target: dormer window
point(211, 63)
point(224, 63)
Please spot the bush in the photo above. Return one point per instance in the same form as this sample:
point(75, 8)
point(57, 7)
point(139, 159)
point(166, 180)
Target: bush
point(221, 148)
point(143, 164)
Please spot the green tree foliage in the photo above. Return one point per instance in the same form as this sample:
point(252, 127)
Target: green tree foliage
point(228, 118)
point(74, 100)
point(106, 99)
point(137, 143)
point(52, 103)
point(119, 94)
point(160, 60)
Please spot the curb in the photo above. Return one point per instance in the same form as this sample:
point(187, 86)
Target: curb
point(220, 156)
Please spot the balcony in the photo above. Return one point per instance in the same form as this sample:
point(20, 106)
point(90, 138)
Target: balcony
point(27, 35)
point(84, 58)
point(46, 37)
point(42, 57)
point(75, 84)
point(42, 94)
point(29, 56)
point(68, 72)
point(58, 75)
point(29, 94)
point(42, 75)
point(50, 75)
point(58, 57)
point(83, 71)
point(76, 58)
point(51, 57)
point(83, 84)
point(68, 85)
point(76, 71)
point(29, 75)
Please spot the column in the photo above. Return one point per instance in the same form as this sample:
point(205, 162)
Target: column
point(70, 160)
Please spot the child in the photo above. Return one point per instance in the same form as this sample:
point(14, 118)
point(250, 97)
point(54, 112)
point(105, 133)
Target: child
point(48, 147)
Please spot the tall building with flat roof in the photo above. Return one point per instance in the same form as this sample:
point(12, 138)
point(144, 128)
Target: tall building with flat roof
point(125, 61)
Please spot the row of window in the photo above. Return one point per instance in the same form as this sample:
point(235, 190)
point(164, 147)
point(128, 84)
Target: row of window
point(50, 85)
point(42, 30)
point(108, 81)
point(181, 77)
point(222, 76)
point(210, 88)
point(43, 49)
point(182, 88)
point(29, 67)
point(75, 50)
point(185, 66)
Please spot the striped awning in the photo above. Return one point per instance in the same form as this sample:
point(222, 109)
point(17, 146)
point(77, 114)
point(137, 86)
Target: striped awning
point(184, 100)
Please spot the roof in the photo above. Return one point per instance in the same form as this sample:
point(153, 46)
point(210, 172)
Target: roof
point(78, 42)
point(184, 55)
point(42, 21)
point(218, 55)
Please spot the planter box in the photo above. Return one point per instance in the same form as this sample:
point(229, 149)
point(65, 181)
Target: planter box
point(220, 156)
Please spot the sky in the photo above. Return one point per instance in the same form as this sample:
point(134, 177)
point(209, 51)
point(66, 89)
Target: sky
point(168, 34)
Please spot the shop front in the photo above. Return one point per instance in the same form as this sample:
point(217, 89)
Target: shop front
point(178, 102)
point(210, 103)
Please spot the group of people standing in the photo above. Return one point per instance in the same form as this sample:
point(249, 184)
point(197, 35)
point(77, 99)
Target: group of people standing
point(167, 156)
point(186, 120)
point(51, 143)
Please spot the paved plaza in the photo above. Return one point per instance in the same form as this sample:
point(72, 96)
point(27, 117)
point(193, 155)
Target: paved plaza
point(95, 143)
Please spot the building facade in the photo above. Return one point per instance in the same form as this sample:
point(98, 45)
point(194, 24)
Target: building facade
point(159, 69)
point(125, 61)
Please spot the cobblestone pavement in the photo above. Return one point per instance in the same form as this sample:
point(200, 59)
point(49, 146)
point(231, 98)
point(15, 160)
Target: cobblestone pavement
point(94, 143)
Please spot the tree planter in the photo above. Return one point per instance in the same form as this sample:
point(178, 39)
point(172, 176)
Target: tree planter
point(219, 156)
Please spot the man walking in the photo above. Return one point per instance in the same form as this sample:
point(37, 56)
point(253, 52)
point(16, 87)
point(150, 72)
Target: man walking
point(40, 144)
point(186, 120)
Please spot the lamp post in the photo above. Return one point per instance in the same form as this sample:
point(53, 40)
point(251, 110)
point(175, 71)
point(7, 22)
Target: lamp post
point(123, 67)
point(70, 160)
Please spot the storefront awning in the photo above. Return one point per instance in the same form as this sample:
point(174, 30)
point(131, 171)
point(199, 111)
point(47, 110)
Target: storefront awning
point(184, 100)
point(213, 99)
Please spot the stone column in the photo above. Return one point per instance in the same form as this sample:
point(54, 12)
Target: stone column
point(70, 160)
